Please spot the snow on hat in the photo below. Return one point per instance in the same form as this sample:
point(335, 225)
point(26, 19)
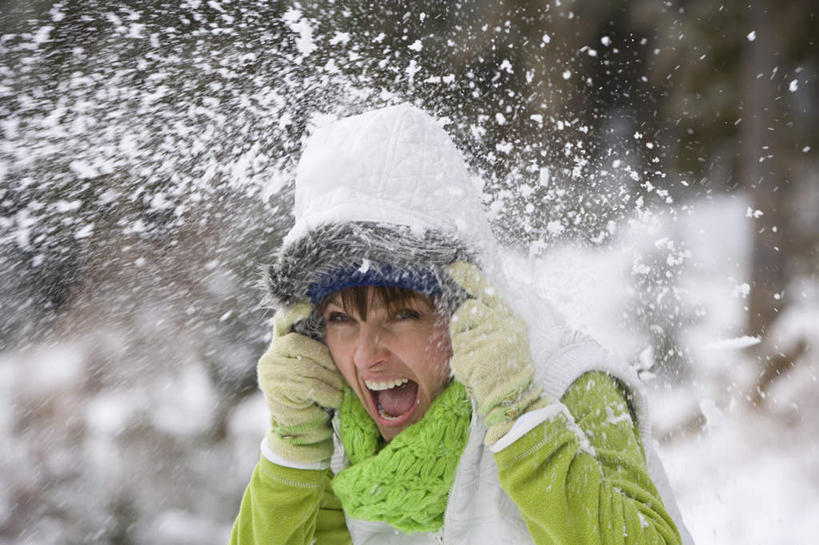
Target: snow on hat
point(382, 198)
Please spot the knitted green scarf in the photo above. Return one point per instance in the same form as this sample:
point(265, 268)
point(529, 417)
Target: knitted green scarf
point(407, 481)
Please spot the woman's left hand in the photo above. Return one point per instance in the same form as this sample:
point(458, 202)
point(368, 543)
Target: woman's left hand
point(491, 355)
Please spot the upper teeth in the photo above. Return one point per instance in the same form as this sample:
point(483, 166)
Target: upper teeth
point(385, 385)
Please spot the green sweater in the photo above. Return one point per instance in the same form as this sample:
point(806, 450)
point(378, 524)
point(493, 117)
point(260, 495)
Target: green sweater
point(602, 498)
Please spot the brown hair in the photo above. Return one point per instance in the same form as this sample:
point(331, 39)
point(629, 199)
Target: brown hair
point(359, 298)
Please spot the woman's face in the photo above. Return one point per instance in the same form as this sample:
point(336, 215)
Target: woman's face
point(396, 362)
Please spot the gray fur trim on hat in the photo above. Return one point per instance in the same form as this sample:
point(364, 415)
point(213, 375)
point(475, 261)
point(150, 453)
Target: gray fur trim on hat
point(326, 248)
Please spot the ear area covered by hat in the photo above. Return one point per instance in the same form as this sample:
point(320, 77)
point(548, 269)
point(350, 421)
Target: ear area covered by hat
point(382, 198)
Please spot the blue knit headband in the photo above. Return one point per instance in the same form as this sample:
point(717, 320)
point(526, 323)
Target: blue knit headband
point(374, 274)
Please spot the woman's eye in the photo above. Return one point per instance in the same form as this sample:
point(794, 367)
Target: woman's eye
point(337, 317)
point(407, 314)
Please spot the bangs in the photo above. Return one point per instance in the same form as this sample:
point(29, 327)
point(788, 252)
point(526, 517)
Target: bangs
point(359, 298)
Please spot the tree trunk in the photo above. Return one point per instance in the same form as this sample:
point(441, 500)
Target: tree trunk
point(759, 173)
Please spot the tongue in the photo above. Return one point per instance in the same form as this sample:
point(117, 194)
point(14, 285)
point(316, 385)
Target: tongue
point(397, 401)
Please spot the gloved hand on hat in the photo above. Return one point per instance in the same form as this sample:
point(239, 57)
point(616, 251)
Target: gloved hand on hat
point(301, 386)
point(491, 355)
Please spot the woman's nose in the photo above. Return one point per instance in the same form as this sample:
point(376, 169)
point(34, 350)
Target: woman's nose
point(369, 350)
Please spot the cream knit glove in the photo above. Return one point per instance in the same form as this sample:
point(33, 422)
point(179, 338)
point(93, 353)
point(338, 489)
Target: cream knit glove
point(491, 356)
point(301, 385)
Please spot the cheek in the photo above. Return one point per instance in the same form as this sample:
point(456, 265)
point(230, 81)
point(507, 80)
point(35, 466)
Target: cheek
point(440, 345)
point(342, 356)
point(438, 354)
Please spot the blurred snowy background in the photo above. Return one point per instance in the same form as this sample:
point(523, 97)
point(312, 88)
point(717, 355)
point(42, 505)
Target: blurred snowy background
point(651, 165)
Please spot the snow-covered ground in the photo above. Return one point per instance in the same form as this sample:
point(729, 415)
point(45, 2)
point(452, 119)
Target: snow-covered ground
point(750, 478)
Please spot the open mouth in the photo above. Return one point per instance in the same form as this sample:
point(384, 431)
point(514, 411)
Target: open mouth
point(395, 400)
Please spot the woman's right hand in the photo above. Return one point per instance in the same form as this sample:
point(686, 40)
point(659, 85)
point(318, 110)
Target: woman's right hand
point(301, 387)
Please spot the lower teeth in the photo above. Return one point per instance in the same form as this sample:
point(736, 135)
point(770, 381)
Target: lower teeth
point(385, 416)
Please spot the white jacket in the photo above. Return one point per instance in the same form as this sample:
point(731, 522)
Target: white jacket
point(398, 166)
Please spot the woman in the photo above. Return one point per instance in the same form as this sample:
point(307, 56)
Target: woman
point(456, 420)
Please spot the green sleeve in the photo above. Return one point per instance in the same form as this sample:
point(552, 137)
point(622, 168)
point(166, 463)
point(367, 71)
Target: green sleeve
point(286, 506)
point(584, 480)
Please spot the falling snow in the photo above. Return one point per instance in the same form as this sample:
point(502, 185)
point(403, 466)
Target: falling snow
point(146, 167)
